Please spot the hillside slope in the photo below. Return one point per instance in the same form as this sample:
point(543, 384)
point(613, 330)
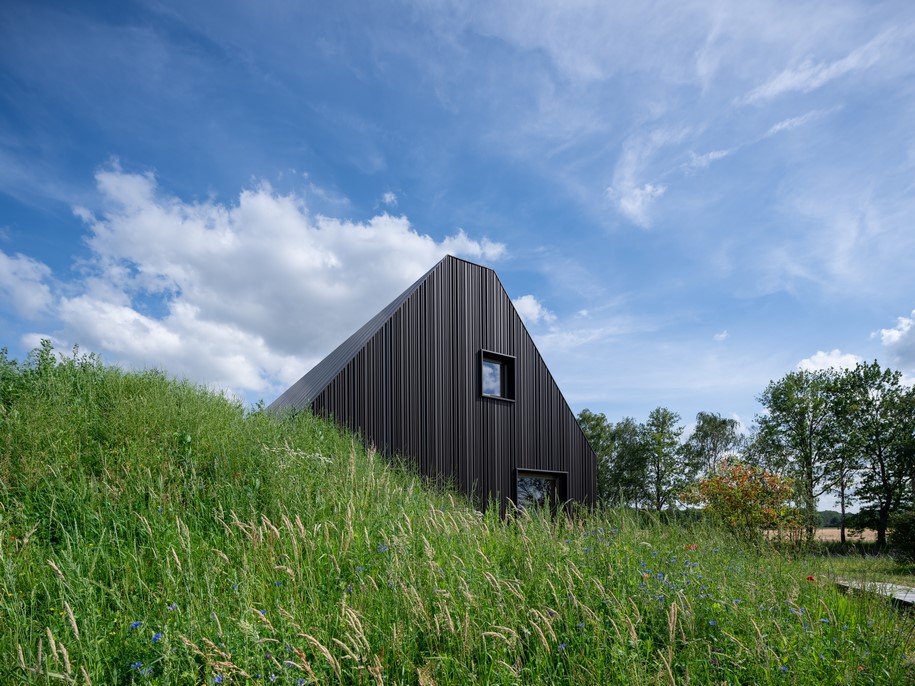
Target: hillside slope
point(154, 532)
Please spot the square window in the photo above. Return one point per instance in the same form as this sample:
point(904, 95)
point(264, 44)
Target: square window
point(497, 375)
point(534, 491)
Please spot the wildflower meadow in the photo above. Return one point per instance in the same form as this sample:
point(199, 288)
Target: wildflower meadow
point(153, 532)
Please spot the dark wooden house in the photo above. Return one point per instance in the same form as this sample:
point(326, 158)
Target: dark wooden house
point(448, 377)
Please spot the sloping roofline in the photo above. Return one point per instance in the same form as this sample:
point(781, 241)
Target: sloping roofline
point(303, 391)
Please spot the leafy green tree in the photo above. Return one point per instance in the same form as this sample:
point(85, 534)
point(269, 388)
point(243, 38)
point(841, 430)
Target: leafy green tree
point(628, 475)
point(795, 434)
point(714, 438)
point(599, 432)
point(667, 473)
point(878, 417)
point(621, 457)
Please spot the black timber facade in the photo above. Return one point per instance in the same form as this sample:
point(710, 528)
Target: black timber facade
point(411, 382)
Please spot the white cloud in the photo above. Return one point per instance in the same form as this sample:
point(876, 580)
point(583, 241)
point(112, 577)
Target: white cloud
point(24, 285)
point(389, 199)
point(794, 122)
point(899, 341)
point(632, 195)
point(531, 311)
point(807, 76)
point(704, 160)
point(247, 295)
point(721, 336)
point(824, 360)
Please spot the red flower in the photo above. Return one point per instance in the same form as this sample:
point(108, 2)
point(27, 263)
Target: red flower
point(810, 578)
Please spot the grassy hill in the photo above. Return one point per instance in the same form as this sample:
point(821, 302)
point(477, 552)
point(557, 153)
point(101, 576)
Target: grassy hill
point(153, 532)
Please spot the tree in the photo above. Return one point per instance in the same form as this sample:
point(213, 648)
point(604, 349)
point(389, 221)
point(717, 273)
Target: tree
point(668, 474)
point(621, 457)
point(878, 416)
point(599, 432)
point(628, 475)
point(795, 434)
point(713, 438)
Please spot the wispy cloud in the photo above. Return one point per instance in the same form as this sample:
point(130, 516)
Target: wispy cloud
point(632, 194)
point(809, 76)
point(704, 160)
point(795, 122)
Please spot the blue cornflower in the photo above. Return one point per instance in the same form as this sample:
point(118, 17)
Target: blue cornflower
point(263, 612)
point(580, 624)
point(382, 547)
point(562, 646)
point(824, 620)
point(135, 625)
point(712, 622)
point(277, 583)
point(784, 669)
point(218, 679)
point(146, 672)
point(358, 569)
point(156, 637)
point(300, 682)
point(136, 665)
point(173, 607)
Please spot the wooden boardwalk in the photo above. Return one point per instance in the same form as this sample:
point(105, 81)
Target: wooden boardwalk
point(904, 596)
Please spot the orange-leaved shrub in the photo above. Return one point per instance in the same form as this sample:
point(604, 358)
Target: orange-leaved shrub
point(747, 499)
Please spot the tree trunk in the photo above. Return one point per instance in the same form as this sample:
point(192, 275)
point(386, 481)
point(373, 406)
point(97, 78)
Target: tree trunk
point(882, 524)
point(842, 513)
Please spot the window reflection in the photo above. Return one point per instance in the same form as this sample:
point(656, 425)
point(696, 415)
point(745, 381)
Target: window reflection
point(492, 378)
point(535, 491)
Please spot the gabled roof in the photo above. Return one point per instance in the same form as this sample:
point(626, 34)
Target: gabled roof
point(303, 391)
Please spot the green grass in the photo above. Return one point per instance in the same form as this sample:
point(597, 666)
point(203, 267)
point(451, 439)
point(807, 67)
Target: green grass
point(152, 532)
point(872, 565)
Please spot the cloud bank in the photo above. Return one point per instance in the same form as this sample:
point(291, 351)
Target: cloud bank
point(247, 296)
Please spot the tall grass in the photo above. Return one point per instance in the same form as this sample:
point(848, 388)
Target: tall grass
point(153, 532)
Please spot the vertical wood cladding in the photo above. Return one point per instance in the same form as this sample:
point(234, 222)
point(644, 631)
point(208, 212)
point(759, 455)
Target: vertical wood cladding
point(409, 381)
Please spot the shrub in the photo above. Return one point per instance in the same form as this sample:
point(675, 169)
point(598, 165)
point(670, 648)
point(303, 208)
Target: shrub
point(746, 498)
point(902, 534)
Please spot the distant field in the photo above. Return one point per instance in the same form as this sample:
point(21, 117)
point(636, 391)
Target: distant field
point(834, 534)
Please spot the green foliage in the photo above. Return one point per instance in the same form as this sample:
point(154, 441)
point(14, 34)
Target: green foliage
point(667, 473)
point(795, 435)
point(713, 439)
point(877, 413)
point(622, 458)
point(153, 532)
point(902, 534)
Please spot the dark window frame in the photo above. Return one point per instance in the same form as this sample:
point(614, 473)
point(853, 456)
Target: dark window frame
point(507, 377)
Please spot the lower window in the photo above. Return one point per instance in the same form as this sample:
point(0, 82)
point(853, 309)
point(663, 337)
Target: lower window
point(535, 490)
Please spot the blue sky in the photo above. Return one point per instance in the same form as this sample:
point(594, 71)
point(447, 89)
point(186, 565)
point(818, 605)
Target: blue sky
point(686, 200)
